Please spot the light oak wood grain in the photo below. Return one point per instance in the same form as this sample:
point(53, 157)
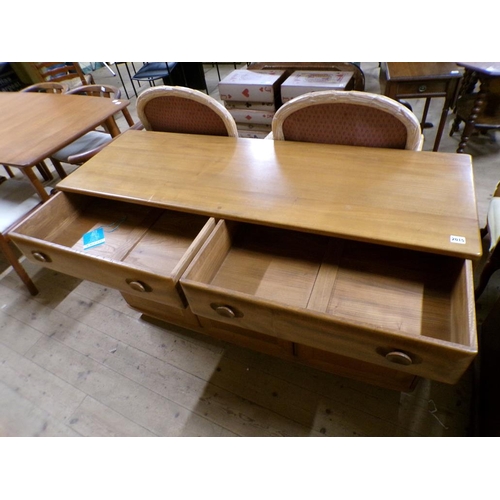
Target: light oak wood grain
point(379, 300)
point(35, 125)
point(326, 404)
point(145, 252)
point(399, 198)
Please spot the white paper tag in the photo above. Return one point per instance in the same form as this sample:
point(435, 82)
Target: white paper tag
point(457, 239)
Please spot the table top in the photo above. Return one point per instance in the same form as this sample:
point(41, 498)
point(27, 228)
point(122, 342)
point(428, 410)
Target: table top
point(35, 125)
point(421, 70)
point(418, 200)
point(488, 68)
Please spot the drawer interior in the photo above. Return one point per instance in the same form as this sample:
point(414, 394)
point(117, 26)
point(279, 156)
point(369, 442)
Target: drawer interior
point(391, 289)
point(152, 239)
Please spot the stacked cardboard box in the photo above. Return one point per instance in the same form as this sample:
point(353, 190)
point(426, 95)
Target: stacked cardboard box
point(301, 82)
point(252, 97)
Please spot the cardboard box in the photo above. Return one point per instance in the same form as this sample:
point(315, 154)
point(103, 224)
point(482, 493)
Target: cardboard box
point(260, 106)
point(263, 127)
point(251, 116)
point(253, 134)
point(252, 85)
point(301, 82)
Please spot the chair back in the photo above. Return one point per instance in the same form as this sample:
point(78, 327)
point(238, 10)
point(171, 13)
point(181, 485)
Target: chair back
point(97, 91)
point(70, 72)
point(102, 91)
point(184, 110)
point(48, 87)
point(348, 118)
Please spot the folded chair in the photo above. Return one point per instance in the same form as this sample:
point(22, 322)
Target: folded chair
point(349, 118)
point(184, 110)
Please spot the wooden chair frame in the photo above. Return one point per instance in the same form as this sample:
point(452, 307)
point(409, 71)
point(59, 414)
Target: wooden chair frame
point(5, 243)
point(185, 93)
point(109, 91)
point(414, 139)
point(61, 71)
point(49, 87)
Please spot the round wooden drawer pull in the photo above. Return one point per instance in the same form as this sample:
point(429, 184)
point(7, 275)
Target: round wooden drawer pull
point(137, 286)
point(399, 357)
point(225, 311)
point(41, 257)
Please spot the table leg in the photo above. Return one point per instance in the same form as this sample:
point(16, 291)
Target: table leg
point(28, 172)
point(423, 124)
point(112, 127)
point(439, 132)
point(471, 119)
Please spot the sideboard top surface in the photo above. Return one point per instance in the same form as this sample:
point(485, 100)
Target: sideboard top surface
point(419, 200)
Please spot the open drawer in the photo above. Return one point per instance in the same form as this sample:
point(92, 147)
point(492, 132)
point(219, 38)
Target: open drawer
point(392, 307)
point(145, 249)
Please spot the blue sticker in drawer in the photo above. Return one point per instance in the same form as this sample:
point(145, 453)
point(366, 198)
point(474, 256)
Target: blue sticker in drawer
point(93, 238)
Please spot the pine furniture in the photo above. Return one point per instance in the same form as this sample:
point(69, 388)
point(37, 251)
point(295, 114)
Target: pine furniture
point(352, 260)
point(35, 125)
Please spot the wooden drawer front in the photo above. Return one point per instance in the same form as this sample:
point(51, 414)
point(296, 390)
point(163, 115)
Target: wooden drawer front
point(145, 251)
point(247, 338)
point(392, 307)
point(353, 368)
point(414, 89)
point(176, 315)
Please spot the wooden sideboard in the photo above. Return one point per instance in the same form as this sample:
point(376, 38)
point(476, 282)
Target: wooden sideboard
point(352, 260)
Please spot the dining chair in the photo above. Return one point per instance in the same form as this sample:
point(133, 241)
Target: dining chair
point(17, 200)
point(349, 118)
point(69, 72)
point(183, 110)
point(49, 88)
point(152, 71)
point(92, 142)
point(491, 230)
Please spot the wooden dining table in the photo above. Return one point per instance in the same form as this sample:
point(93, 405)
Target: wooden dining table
point(33, 126)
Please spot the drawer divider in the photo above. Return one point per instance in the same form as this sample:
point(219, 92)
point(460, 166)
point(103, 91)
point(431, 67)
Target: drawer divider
point(324, 284)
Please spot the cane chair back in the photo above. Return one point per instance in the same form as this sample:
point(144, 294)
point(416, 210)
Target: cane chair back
point(183, 110)
point(348, 118)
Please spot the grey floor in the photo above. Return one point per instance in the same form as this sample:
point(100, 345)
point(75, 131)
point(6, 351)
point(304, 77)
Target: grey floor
point(76, 361)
